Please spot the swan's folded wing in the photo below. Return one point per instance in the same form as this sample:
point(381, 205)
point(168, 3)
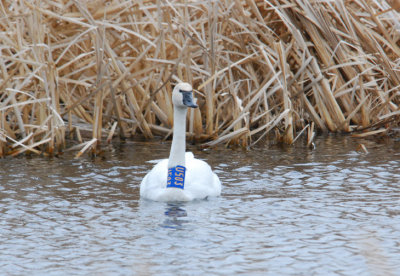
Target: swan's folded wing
point(201, 181)
point(155, 180)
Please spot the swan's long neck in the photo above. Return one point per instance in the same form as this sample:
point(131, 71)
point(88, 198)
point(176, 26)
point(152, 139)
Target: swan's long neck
point(178, 147)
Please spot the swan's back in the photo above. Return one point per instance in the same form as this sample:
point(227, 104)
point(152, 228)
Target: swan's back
point(200, 182)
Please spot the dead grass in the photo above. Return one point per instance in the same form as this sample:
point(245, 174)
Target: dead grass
point(258, 68)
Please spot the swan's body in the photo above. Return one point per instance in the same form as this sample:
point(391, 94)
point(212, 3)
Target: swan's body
point(199, 180)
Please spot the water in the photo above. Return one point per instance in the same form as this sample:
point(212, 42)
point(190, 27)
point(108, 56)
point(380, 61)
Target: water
point(283, 211)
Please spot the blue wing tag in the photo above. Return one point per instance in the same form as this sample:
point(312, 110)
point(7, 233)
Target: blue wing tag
point(176, 177)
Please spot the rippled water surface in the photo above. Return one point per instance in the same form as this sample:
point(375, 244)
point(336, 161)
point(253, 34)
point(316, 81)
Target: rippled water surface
point(283, 211)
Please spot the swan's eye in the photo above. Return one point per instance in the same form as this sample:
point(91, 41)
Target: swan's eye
point(185, 91)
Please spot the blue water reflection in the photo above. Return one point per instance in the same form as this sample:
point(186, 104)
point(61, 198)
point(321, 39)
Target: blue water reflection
point(175, 216)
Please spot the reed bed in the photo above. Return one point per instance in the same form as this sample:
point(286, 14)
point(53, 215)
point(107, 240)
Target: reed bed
point(261, 70)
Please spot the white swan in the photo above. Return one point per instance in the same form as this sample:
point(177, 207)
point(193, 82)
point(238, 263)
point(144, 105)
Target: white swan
point(188, 178)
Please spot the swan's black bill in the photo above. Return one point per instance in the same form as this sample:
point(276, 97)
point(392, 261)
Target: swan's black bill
point(188, 98)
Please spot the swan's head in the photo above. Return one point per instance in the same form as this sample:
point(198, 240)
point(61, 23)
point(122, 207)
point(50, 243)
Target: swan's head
point(182, 96)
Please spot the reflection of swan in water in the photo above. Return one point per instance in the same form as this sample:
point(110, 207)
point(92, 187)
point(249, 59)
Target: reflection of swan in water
point(174, 213)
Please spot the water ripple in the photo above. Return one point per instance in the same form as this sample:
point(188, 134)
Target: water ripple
point(283, 211)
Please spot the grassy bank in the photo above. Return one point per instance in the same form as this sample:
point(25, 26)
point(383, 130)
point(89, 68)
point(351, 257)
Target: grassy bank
point(285, 68)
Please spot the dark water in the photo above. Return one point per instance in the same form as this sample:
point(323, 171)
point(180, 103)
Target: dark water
point(291, 211)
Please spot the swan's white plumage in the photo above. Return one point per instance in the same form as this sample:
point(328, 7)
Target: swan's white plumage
point(200, 182)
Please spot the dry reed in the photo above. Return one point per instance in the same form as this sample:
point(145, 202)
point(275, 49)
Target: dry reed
point(286, 68)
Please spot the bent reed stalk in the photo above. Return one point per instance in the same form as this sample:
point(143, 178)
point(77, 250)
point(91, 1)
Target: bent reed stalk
point(257, 67)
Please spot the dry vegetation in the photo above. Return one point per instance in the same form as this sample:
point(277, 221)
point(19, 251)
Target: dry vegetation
point(285, 68)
